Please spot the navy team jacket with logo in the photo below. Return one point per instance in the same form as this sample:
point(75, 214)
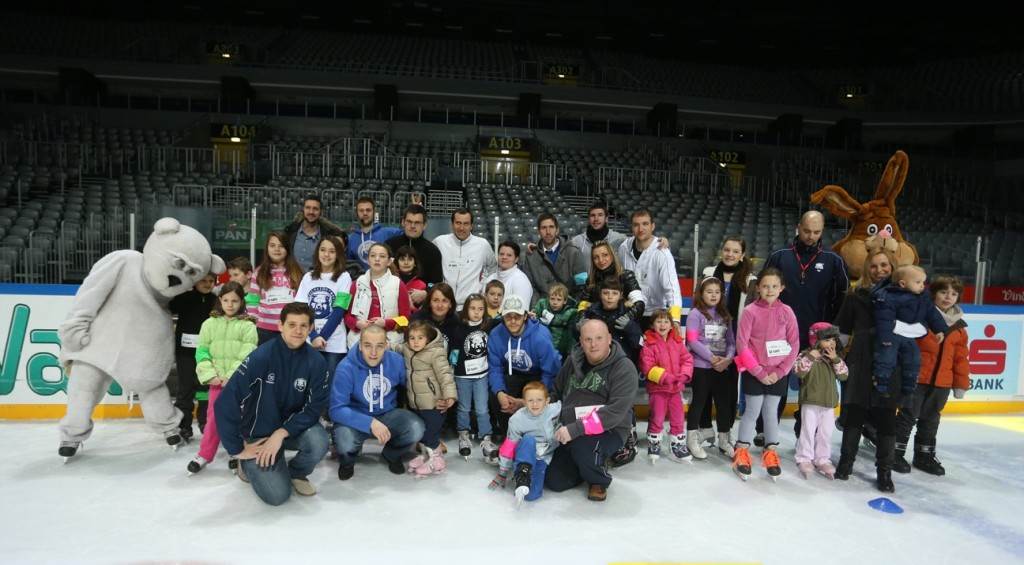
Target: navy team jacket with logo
point(275, 387)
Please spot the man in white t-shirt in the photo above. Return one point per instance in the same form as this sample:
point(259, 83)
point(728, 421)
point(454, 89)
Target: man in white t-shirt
point(467, 259)
point(654, 267)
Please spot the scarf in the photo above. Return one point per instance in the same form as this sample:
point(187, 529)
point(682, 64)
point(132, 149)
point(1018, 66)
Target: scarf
point(597, 235)
point(953, 315)
point(732, 302)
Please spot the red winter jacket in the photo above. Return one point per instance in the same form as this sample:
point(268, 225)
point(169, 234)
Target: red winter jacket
point(951, 369)
point(665, 363)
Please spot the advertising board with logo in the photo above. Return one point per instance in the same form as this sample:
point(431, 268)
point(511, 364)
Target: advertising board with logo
point(33, 381)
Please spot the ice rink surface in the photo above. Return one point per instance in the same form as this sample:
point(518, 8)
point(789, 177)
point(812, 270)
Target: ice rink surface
point(128, 499)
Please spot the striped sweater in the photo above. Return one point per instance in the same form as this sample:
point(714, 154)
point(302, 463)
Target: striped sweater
point(273, 299)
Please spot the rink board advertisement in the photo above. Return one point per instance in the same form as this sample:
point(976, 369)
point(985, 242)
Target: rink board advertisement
point(33, 383)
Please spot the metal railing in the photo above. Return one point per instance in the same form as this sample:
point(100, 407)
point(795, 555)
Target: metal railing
point(509, 172)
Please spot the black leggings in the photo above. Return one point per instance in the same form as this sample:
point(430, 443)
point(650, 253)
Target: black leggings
point(709, 385)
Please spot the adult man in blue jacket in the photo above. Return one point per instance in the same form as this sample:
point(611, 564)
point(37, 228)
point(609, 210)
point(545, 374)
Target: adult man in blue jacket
point(364, 404)
point(272, 403)
point(815, 285)
point(367, 233)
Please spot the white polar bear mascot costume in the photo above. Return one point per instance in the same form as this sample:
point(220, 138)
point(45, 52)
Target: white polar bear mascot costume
point(119, 327)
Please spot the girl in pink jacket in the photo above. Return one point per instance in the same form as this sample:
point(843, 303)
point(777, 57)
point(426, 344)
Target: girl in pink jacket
point(667, 366)
point(766, 347)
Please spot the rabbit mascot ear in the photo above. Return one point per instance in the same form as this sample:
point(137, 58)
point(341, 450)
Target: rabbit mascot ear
point(871, 220)
point(836, 200)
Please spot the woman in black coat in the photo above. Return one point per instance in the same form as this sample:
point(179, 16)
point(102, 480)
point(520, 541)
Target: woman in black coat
point(861, 403)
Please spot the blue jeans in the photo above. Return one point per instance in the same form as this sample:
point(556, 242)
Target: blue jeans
point(526, 452)
point(406, 429)
point(332, 363)
point(433, 420)
point(473, 394)
point(273, 484)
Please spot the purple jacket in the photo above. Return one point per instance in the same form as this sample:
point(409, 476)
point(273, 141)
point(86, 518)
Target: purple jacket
point(766, 332)
point(722, 341)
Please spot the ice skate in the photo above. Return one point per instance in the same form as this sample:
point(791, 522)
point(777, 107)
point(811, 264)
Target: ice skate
point(418, 461)
point(707, 436)
point(490, 450)
point(433, 465)
point(826, 469)
point(197, 464)
point(233, 465)
point(627, 453)
point(69, 449)
point(185, 434)
point(465, 446)
point(741, 461)
point(725, 445)
point(653, 447)
point(770, 461)
point(680, 452)
point(806, 469)
point(522, 477)
point(694, 442)
point(174, 439)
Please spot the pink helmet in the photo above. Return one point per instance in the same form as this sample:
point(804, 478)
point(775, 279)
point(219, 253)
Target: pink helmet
point(822, 330)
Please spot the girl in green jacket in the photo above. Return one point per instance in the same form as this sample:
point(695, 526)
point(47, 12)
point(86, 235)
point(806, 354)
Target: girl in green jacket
point(225, 340)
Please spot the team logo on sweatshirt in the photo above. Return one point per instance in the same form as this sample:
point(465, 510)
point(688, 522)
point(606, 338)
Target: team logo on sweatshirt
point(270, 378)
point(300, 384)
point(364, 250)
point(320, 300)
point(375, 389)
point(520, 359)
point(819, 267)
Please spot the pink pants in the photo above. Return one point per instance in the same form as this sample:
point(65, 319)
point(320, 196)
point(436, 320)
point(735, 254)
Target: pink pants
point(816, 425)
point(211, 439)
point(659, 403)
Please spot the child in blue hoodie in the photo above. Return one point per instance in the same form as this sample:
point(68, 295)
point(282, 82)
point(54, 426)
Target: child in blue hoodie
point(519, 350)
point(530, 443)
point(364, 404)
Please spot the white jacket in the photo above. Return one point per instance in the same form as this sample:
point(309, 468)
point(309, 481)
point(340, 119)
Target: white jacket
point(515, 281)
point(656, 273)
point(466, 264)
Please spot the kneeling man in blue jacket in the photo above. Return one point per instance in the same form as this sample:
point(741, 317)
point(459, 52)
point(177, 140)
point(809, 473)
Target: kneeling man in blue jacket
point(273, 402)
point(364, 404)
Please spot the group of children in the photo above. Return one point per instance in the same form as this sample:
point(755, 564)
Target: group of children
point(446, 354)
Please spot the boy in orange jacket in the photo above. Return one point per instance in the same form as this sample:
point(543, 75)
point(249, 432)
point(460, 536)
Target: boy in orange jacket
point(943, 367)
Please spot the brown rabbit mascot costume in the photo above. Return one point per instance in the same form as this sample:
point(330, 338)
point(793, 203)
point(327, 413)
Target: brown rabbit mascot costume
point(874, 222)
